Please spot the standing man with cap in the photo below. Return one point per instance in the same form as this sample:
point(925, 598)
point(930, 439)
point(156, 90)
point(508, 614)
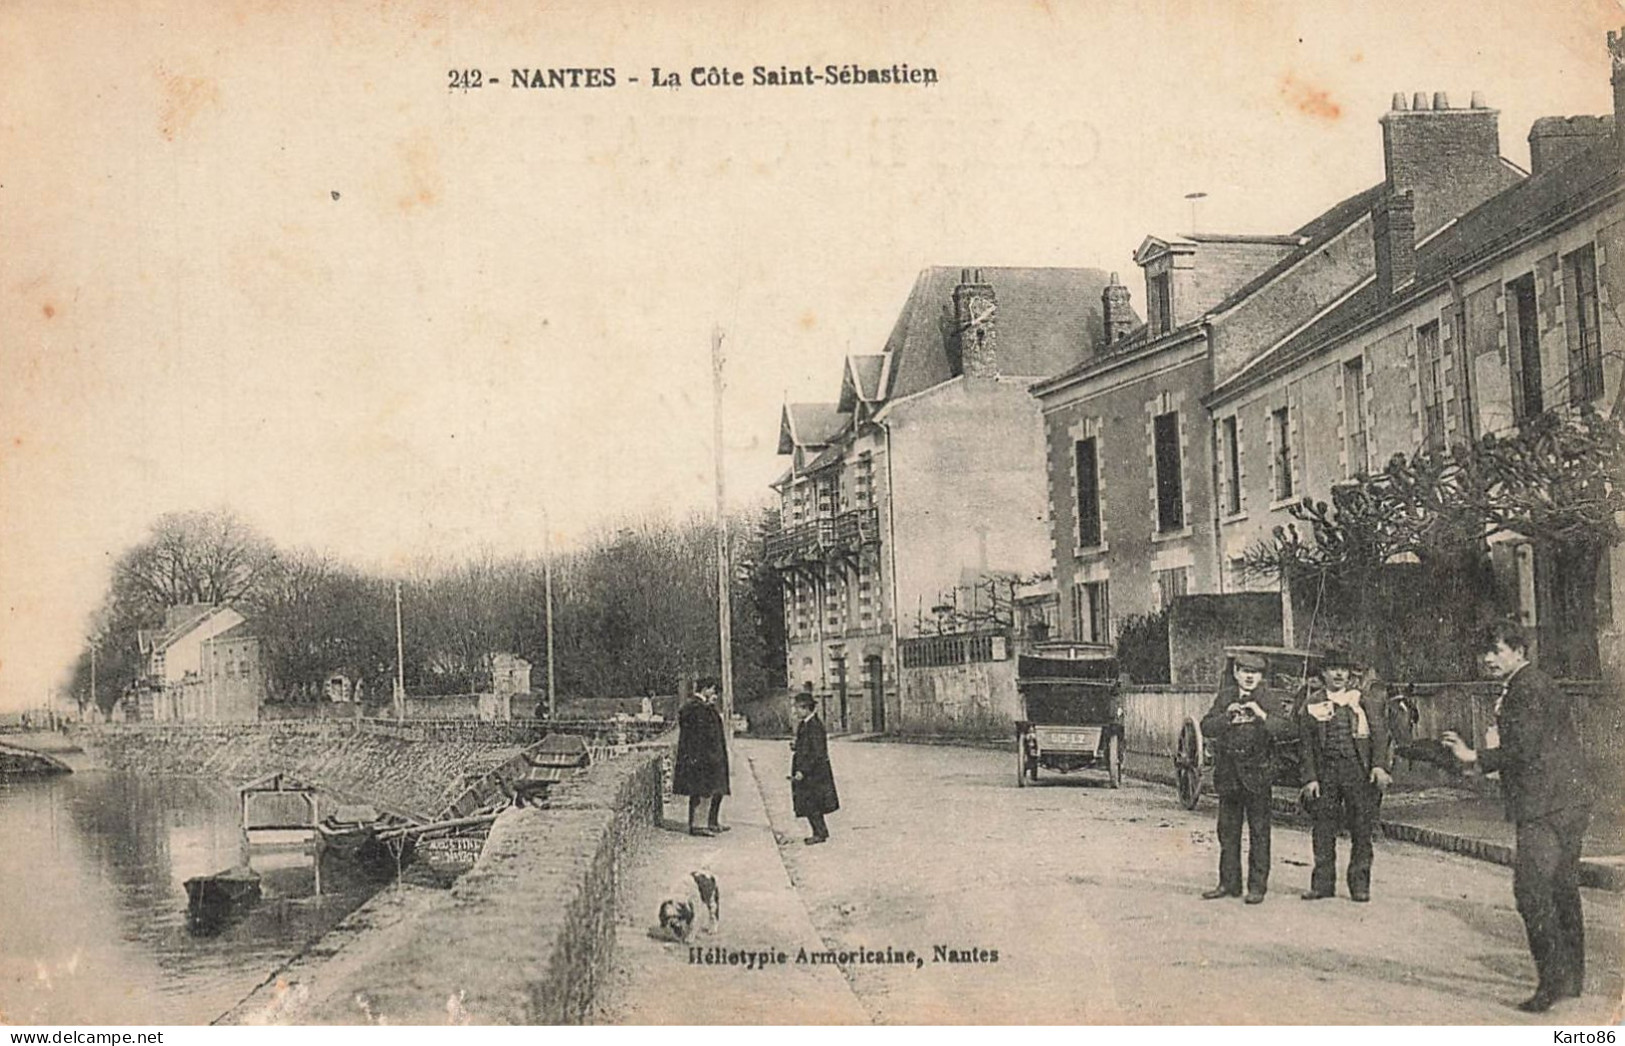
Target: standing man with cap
point(1346, 767)
point(1536, 745)
point(1244, 724)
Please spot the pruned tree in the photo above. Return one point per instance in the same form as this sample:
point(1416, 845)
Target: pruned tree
point(1554, 484)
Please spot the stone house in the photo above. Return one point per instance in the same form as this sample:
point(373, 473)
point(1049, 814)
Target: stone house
point(1139, 511)
point(919, 491)
point(1472, 328)
point(203, 665)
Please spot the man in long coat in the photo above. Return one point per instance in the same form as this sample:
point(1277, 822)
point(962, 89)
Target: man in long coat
point(1345, 766)
point(812, 781)
point(1244, 723)
point(1536, 745)
point(701, 771)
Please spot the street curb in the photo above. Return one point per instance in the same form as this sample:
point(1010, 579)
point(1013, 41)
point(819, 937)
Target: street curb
point(1594, 874)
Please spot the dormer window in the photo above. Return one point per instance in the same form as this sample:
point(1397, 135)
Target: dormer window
point(1160, 301)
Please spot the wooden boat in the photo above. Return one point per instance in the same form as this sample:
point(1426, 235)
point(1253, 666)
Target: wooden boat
point(212, 899)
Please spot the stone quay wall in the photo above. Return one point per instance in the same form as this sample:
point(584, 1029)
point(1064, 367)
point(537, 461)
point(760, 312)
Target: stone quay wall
point(409, 776)
point(525, 937)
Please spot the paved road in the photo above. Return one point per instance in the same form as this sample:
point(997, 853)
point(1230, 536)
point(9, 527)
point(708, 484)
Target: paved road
point(1090, 897)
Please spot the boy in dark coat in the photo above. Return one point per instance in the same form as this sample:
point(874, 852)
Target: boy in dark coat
point(812, 782)
point(1244, 723)
point(701, 771)
point(1536, 745)
point(1345, 768)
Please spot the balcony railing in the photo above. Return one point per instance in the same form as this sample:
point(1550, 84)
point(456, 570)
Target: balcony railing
point(822, 538)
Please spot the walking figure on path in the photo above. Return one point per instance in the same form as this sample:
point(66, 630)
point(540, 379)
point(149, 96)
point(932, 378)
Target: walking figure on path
point(812, 781)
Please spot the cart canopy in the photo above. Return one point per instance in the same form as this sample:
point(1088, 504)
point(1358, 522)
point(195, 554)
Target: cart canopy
point(1067, 691)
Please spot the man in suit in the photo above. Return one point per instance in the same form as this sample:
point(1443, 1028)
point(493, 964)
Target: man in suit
point(1345, 765)
point(701, 770)
point(1535, 745)
point(812, 781)
point(1244, 724)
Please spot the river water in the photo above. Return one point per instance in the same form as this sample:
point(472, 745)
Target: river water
point(93, 907)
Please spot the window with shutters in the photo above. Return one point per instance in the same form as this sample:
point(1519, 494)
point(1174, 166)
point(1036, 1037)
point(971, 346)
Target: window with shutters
point(1585, 326)
point(1281, 427)
point(1091, 612)
point(1231, 450)
point(1430, 376)
point(1170, 482)
point(1354, 417)
point(1086, 458)
point(1527, 397)
point(1171, 584)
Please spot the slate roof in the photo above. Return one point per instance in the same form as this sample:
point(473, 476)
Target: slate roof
point(1048, 320)
point(185, 619)
point(241, 630)
point(860, 381)
point(1498, 222)
point(1316, 233)
point(1310, 237)
point(810, 425)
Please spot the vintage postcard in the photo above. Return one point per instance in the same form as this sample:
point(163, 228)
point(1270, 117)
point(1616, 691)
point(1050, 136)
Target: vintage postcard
point(1056, 512)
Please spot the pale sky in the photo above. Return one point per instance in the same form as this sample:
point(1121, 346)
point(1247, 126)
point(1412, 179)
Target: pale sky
point(508, 304)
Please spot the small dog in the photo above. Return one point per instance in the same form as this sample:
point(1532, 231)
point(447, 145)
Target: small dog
point(694, 907)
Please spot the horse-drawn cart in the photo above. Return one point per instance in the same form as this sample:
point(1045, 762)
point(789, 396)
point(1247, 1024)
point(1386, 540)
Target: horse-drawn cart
point(1287, 676)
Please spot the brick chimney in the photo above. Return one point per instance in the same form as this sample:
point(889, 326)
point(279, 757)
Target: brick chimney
point(1450, 159)
point(1393, 228)
point(1554, 140)
point(1116, 313)
point(1616, 49)
point(975, 308)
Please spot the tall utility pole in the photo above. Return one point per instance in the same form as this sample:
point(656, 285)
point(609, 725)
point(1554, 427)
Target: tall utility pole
point(547, 594)
point(400, 661)
point(724, 602)
point(92, 676)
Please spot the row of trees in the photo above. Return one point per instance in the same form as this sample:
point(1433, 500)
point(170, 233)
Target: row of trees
point(632, 609)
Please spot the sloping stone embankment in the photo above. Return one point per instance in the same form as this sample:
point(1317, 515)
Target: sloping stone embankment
point(526, 937)
point(401, 775)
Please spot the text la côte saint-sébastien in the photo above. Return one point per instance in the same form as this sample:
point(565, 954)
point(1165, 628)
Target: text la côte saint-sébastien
point(708, 76)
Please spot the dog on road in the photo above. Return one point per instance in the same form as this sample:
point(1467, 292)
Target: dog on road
point(694, 907)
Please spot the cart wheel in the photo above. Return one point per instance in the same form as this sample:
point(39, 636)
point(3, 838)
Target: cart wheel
point(1114, 761)
point(1021, 762)
point(1188, 764)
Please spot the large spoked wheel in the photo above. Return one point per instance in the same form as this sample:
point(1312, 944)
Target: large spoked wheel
point(1188, 764)
point(1021, 761)
point(1114, 761)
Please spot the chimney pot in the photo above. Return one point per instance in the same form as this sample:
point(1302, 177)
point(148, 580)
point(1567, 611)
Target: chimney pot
point(1478, 100)
point(1441, 100)
point(1399, 104)
point(1420, 101)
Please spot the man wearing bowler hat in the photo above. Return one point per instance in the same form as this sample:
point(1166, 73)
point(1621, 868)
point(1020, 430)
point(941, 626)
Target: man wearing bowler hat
point(1346, 766)
point(1244, 723)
